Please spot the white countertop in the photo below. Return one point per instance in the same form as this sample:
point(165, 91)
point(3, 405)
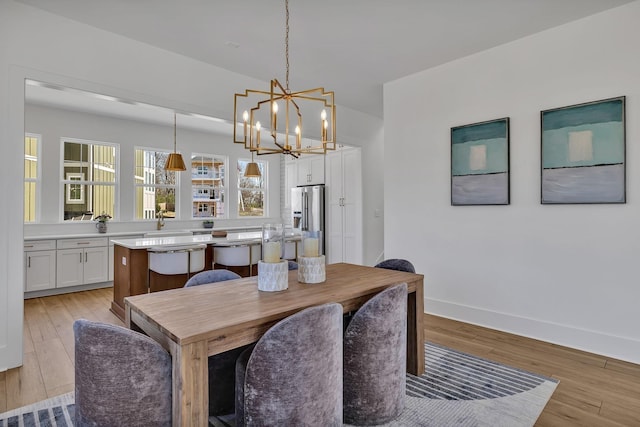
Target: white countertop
point(123, 234)
point(232, 239)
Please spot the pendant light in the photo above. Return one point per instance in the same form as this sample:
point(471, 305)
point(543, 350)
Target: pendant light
point(252, 170)
point(175, 161)
point(281, 110)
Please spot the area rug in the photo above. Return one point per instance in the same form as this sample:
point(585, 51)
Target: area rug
point(457, 389)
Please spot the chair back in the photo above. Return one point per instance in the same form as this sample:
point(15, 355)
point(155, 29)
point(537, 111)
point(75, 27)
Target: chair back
point(211, 276)
point(397, 264)
point(121, 377)
point(375, 359)
point(177, 259)
point(293, 377)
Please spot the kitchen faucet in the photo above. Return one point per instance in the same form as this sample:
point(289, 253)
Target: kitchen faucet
point(160, 223)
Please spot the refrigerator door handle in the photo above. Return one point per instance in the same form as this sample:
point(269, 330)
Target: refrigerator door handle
point(305, 211)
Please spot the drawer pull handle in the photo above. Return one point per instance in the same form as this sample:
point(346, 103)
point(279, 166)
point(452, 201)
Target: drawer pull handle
point(28, 246)
point(83, 243)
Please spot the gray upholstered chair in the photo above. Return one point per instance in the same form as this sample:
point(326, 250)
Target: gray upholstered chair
point(221, 366)
point(293, 375)
point(397, 264)
point(211, 276)
point(375, 364)
point(122, 378)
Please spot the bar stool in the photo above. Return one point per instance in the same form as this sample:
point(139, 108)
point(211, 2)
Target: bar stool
point(174, 261)
point(237, 256)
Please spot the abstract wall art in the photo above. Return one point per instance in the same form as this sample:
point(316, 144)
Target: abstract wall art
point(480, 163)
point(583, 153)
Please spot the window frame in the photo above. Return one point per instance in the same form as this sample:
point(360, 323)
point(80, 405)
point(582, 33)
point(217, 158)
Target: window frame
point(264, 188)
point(87, 182)
point(152, 187)
point(199, 188)
point(37, 180)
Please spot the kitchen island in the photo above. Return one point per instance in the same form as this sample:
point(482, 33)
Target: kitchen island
point(131, 262)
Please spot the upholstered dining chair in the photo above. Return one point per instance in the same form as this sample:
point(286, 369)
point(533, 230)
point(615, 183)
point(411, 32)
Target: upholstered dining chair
point(397, 264)
point(293, 375)
point(375, 364)
point(211, 276)
point(221, 366)
point(121, 377)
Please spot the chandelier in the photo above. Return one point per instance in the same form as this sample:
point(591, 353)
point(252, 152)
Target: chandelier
point(270, 122)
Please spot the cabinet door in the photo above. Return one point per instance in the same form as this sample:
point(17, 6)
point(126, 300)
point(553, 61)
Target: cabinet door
point(352, 206)
point(70, 263)
point(303, 171)
point(95, 265)
point(316, 169)
point(333, 198)
point(40, 270)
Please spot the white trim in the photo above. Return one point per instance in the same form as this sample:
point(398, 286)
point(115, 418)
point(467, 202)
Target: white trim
point(69, 181)
point(38, 179)
point(624, 348)
point(175, 187)
point(116, 175)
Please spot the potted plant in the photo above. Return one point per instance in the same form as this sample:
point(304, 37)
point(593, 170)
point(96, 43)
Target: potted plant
point(102, 222)
point(207, 223)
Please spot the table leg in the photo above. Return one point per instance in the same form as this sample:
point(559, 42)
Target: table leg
point(415, 330)
point(190, 385)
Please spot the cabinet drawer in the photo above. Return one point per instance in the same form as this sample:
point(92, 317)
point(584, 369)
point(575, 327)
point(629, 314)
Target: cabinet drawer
point(82, 243)
point(39, 245)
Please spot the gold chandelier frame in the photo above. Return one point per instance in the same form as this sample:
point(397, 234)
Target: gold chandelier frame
point(290, 139)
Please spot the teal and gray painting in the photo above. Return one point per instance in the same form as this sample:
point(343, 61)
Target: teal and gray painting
point(583, 153)
point(480, 164)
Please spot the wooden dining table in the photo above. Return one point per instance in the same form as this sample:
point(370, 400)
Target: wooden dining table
point(196, 322)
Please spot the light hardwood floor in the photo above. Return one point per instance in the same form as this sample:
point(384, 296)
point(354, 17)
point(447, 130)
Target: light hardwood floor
point(593, 391)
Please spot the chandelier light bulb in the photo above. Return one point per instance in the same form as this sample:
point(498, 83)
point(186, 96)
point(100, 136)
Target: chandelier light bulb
point(245, 115)
point(323, 115)
point(258, 126)
point(275, 107)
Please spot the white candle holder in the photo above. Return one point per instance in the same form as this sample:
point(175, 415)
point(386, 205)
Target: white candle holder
point(311, 269)
point(273, 276)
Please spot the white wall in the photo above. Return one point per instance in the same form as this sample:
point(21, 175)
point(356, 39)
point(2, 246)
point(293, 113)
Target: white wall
point(41, 46)
point(562, 273)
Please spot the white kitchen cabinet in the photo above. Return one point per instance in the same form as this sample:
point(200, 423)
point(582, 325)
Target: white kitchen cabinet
point(82, 261)
point(344, 206)
point(310, 169)
point(40, 265)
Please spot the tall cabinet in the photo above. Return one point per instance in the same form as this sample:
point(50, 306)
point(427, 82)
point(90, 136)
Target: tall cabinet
point(343, 179)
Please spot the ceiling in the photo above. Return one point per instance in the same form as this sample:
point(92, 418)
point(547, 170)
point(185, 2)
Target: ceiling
point(349, 46)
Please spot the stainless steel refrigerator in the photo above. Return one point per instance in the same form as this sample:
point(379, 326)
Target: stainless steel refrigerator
point(307, 210)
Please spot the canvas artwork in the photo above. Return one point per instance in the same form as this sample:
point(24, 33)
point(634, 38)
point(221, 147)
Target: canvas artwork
point(583, 153)
point(480, 163)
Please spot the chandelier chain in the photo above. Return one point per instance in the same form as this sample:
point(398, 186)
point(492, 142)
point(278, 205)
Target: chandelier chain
point(286, 42)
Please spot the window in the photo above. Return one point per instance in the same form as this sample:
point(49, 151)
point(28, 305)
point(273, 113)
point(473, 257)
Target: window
point(89, 179)
point(155, 188)
point(31, 177)
point(251, 191)
point(208, 186)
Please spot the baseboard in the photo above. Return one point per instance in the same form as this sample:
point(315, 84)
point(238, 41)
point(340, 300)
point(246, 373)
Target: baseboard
point(67, 290)
point(617, 347)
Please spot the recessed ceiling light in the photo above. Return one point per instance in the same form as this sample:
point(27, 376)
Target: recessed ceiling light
point(233, 45)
